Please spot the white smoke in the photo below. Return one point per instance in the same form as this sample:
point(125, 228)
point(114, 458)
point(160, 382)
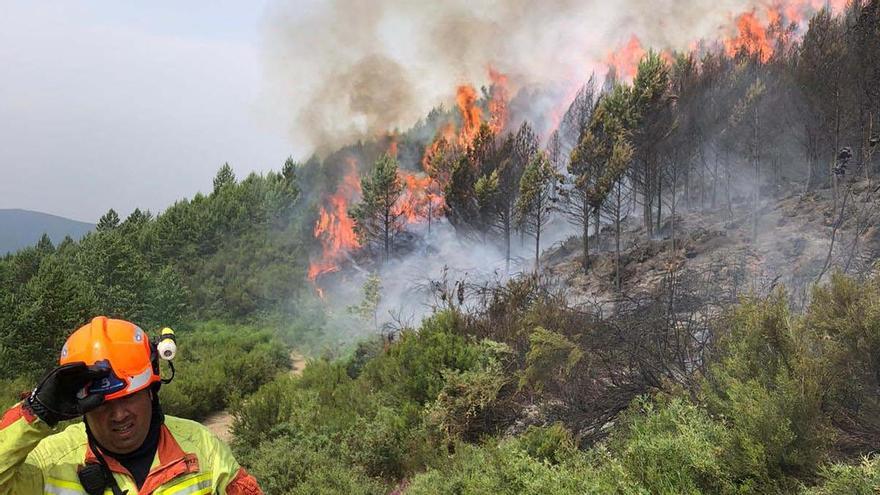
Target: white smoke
point(348, 70)
point(411, 283)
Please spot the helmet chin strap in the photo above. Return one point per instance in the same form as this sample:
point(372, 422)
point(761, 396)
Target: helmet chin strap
point(95, 485)
point(96, 478)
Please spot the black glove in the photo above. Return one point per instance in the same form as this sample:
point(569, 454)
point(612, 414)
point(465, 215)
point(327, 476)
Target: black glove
point(56, 397)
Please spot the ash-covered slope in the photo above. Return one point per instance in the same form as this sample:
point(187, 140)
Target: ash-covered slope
point(791, 244)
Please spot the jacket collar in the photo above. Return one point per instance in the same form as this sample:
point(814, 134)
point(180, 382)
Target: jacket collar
point(173, 462)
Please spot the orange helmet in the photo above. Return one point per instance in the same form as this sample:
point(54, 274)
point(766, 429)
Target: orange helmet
point(119, 345)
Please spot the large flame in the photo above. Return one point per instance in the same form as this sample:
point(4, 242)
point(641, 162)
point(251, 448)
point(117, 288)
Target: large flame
point(471, 118)
point(752, 38)
point(626, 60)
point(471, 115)
point(444, 142)
point(421, 200)
point(334, 228)
point(498, 102)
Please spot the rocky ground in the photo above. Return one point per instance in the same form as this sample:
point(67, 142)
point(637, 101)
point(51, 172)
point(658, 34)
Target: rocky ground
point(790, 246)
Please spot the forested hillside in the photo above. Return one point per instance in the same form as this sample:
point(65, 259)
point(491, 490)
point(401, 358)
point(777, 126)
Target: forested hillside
point(638, 356)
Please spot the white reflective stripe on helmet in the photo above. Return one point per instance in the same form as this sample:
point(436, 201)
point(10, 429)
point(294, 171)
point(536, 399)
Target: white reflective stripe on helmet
point(197, 485)
point(59, 487)
point(139, 381)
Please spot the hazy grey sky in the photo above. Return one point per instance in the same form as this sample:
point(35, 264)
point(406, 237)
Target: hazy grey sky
point(130, 104)
point(105, 103)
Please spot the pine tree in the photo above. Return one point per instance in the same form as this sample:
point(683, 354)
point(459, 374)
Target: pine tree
point(368, 308)
point(109, 221)
point(534, 205)
point(651, 107)
point(225, 177)
point(376, 217)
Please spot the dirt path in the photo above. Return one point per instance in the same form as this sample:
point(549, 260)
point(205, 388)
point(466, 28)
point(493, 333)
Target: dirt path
point(220, 423)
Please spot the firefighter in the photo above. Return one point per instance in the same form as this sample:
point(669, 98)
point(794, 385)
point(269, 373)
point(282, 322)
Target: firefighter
point(109, 374)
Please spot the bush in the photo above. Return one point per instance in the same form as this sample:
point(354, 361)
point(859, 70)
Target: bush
point(842, 479)
point(412, 369)
point(844, 317)
point(217, 363)
point(551, 357)
point(673, 447)
point(505, 468)
point(12, 390)
point(552, 444)
point(308, 465)
point(463, 409)
point(768, 386)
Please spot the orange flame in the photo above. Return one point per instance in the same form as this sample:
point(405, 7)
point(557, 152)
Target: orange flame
point(421, 199)
point(471, 115)
point(498, 103)
point(334, 228)
point(442, 143)
point(392, 145)
point(626, 60)
point(752, 38)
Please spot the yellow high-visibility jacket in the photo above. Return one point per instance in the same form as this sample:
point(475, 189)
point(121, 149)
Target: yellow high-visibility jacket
point(190, 460)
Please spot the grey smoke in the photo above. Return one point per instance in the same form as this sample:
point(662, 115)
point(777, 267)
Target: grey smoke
point(348, 69)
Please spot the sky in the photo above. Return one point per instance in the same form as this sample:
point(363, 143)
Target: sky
point(107, 104)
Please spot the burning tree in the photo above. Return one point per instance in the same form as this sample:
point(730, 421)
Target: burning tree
point(497, 191)
point(469, 193)
point(376, 217)
point(651, 108)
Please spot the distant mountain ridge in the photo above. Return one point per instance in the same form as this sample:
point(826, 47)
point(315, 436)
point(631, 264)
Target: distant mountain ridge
point(22, 228)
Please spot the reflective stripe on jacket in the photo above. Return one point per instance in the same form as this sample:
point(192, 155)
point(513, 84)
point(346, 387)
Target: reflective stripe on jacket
point(190, 460)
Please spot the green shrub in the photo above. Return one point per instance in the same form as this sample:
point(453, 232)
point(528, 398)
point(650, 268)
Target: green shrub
point(390, 443)
point(768, 386)
point(303, 464)
point(844, 319)
point(12, 390)
point(412, 369)
point(842, 479)
point(673, 447)
point(505, 468)
point(217, 363)
point(551, 357)
point(552, 444)
point(464, 404)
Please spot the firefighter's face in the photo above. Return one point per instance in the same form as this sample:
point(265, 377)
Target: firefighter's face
point(121, 425)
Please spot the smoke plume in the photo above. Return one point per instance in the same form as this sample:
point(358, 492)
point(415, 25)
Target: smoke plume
point(348, 70)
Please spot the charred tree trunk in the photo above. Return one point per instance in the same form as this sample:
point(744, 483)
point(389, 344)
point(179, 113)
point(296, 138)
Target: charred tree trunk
point(386, 227)
point(617, 239)
point(648, 195)
point(506, 224)
point(585, 216)
point(687, 188)
point(659, 200)
point(727, 187)
point(538, 220)
point(836, 147)
point(757, 164)
point(715, 182)
point(672, 206)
